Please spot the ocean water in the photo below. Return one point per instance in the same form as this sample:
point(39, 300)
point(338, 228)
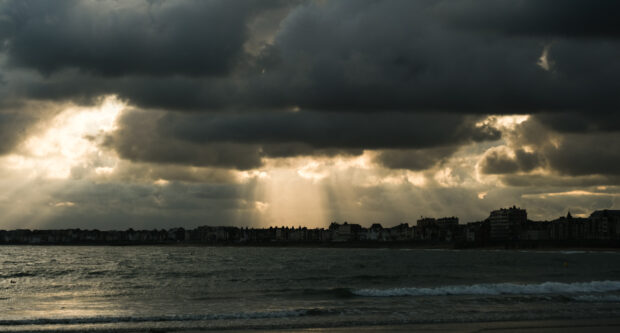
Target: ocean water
point(101, 288)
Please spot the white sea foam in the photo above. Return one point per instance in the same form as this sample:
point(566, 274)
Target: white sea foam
point(569, 251)
point(598, 298)
point(496, 289)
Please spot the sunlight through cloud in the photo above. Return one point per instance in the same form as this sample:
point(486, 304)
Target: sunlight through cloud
point(69, 141)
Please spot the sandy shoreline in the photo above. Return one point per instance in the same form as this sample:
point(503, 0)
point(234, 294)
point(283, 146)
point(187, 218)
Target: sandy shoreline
point(546, 326)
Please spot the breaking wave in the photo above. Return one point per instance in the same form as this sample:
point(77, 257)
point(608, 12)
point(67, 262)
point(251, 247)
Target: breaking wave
point(598, 298)
point(496, 289)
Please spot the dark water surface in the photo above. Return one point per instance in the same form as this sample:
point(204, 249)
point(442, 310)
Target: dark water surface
point(67, 288)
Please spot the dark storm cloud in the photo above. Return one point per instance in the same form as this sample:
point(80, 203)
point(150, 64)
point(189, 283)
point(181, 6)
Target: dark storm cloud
point(369, 55)
point(138, 140)
point(331, 130)
point(341, 55)
point(568, 18)
point(574, 122)
point(574, 154)
point(365, 74)
point(171, 93)
point(217, 81)
point(12, 128)
point(291, 149)
point(241, 140)
point(192, 38)
point(580, 153)
point(500, 162)
point(17, 121)
point(416, 159)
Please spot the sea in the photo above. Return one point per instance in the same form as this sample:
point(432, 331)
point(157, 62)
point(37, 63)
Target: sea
point(168, 288)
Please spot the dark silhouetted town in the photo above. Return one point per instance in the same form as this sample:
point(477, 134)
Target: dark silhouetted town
point(506, 227)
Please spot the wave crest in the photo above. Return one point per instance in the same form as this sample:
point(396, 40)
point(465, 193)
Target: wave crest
point(496, 289)
point(598, 298)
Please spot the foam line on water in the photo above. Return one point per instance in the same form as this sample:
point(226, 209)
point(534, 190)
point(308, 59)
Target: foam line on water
point(598, 298)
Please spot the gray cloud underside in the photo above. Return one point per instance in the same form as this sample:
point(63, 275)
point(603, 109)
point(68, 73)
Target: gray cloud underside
point(565, 154)
point(340, 130)
point(576, 122)
point(154, 38)
point(18, 121)
point(571, 18)
point(242, 140)
point(499, 162)
point(12, 129)
point(414, 159)
point(587, 154)
point(354, 55)
point(343, 63)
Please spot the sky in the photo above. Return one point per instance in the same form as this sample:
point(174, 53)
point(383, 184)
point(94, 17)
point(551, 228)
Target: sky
point(159, 114)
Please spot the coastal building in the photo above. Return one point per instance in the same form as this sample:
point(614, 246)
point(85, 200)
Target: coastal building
point(426, 222)
point(503, 225)
point(477, 232)
point(604, 224)
point(534, 231)
point(401, 232)
point(506, 223)
point(300, 234)
point(345, 232)
point(568, 228)
point(375, 232)
point(448, 222)
point(442, 229)
point(448, 227)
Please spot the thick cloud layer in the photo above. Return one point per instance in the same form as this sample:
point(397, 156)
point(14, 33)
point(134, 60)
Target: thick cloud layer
point(17, 121)
point(365, 74)
point(500, 162)
point(240, 140)
point(580, 122)
point(340, 130)
point(139, 140)
point(396, 97)
point(414, 159)
point(534, 147)
point(341, 55)
point(587, 154)
point(548, 18)
point(156, 38)
point(12, 128)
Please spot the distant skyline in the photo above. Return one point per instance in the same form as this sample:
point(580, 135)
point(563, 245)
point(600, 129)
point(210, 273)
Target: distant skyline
point(156, 114)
